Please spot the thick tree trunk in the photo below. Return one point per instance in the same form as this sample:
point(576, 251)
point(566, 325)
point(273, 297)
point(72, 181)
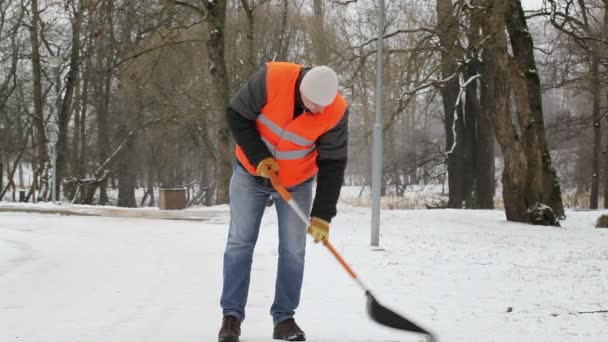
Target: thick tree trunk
point(219, 93)
point(542, 184)
point(514, 178)
point(127, 170)
point(454, 124)
point(132, 107)
point(132, 113)
point(478, 125)
point(486, 181)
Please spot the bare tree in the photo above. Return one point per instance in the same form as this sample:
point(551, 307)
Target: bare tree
point(574, 19)
point(219, 93)
point(10, 22)
point(479, 173)
point(64, 116)
point(40, 139)
point(319, 40)
point(448, 32)
point(214, 13)
point(497, 87)
point(249, 7)
point(542, 182)
point(283, 40)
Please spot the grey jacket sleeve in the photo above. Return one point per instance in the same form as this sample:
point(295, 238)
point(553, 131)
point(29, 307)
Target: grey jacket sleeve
point(241, 114)
point(251, 98)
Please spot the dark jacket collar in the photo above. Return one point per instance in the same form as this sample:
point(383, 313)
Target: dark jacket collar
point(299, 105)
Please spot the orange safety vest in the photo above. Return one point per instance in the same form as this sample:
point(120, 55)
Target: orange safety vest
point(291, 141)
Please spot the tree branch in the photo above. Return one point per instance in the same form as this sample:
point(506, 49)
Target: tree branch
point(143, 52)
point(201, 11)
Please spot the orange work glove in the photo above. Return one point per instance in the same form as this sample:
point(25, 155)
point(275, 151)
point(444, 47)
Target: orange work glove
point(267, 165)
point(319, 229)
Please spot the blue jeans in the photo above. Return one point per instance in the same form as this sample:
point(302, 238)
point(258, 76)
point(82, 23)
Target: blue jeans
point(248, 198)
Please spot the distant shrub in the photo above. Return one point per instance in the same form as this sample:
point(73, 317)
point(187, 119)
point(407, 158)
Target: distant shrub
point(602, 222)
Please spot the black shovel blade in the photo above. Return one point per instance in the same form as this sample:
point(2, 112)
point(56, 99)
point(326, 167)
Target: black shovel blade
point(389, 318)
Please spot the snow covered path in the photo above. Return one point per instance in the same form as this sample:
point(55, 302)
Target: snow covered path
point(467, 275)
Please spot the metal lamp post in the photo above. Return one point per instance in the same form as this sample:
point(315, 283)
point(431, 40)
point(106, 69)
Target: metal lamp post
point(377, 149)
point(55, 63)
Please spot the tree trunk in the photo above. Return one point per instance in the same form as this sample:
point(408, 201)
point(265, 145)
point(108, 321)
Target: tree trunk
point(318, 39)
point(75, 143)
point(101, 93)
point(10, 75)
point(82, 132)
point(542, 184)
point(103, 133)
point(497, 87)
point(597, 133)
point(283, 35)
point(40, 140)
point(251, 64)
point(127, 170)
point(219, 93)
point(486, 182)
point(594, 80)
point(478, 126)
point(66, 107)
point(411, 157)
point(606, 146)
point(79, 128)
point(471, 118)
point(1, 167)
point(453, 122)
point(132, 108)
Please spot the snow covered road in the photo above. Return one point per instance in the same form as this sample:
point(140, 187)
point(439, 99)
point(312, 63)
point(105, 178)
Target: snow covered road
point(468, 275)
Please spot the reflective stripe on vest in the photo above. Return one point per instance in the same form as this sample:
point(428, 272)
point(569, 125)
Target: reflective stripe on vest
point(287, 155)
point(283, 133)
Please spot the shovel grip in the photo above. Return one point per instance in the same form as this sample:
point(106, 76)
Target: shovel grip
point(276, 184)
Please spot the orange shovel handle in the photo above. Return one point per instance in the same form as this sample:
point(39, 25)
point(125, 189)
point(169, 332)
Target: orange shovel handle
point(286, 196)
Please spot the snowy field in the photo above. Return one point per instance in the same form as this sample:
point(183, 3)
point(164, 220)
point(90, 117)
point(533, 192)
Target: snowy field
point(467, 275)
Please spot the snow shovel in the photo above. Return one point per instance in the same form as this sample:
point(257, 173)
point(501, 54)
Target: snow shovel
point(376, 311)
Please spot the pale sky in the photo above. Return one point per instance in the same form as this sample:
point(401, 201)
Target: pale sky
point(531, 4)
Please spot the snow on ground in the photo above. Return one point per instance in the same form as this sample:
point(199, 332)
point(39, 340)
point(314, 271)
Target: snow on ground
point(467, 275)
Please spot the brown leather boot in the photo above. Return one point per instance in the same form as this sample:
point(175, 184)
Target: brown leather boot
point(231, 329)
point(288, 330)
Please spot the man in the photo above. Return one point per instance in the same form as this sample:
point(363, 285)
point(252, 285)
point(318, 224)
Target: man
point(290, 120)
